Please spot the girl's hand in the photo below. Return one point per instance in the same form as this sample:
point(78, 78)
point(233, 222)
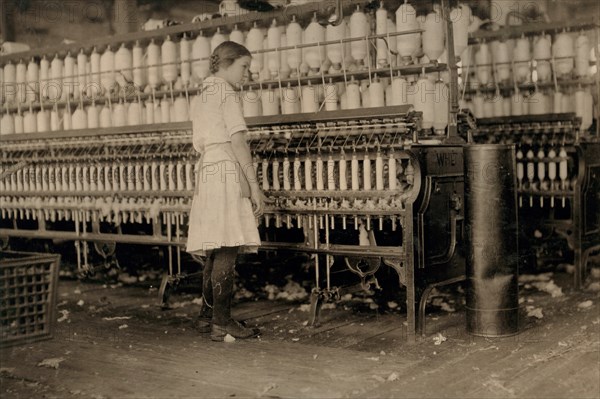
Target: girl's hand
point(259, 200)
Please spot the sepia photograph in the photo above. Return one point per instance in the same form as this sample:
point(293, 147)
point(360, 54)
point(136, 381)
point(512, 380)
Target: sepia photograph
point(299, 199)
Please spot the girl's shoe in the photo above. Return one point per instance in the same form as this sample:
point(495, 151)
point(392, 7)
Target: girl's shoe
point(202, 325)
point(233, 328)
point(204, 320)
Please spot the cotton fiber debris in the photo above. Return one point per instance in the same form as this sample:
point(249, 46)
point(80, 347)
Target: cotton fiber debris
point(292, 291)
point(52, 363)
point(548, 286)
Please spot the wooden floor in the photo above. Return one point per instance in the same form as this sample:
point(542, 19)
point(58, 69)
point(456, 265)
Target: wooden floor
point(116, 343)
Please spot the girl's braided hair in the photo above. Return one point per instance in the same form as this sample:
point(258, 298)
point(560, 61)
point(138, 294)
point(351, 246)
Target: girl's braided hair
point(225, 54)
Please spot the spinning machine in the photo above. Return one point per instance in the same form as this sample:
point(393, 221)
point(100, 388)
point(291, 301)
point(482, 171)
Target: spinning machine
point(370, 174)
point(558, 185)
point(543, 99)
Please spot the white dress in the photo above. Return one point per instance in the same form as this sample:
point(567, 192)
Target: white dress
point(220, 216)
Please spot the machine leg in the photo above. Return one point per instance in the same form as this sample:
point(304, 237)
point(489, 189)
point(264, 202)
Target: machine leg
point(165, 290)
point(579, 264)
point(316, 301)
point(422, 303)
point(410, 311)
point(425, 295)
point(170, 282)
point(581, 269)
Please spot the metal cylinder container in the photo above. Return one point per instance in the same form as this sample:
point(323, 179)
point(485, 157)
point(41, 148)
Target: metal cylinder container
point(492, 246)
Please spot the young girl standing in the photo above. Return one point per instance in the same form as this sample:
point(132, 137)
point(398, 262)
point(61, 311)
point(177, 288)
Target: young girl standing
point(228, 198)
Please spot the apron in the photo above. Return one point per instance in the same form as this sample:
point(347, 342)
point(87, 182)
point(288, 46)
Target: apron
point(219, 150)
point(221, 214)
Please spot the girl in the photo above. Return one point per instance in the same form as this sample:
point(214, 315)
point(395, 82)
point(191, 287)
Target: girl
point(228, 198)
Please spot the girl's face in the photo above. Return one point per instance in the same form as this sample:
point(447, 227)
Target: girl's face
point(237, 73)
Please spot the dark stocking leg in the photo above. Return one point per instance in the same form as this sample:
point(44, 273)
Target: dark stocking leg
point(207, 293)
point(222, 283)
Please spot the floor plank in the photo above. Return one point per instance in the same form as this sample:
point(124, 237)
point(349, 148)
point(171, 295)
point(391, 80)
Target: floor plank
point(117, 343)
